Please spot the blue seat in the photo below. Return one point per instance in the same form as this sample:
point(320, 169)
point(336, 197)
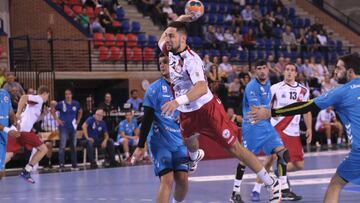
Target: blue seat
point(212, 19)
point(152, 41)
point(141, 39)
point(260, 43)
point(244, 29)
point(214, 52)
point(125, 25)
point(278, 32)
point(294, 55)
point(233, 53)
point(213, 7)
point(285, 12)
point(252, 55)
point(263, 10)
point(205, 52)
point(260, 54)
point(331, 45)
point(269, 44)
point(299, 23)
point(189, 40)
point(339, 46)
point(307, 22)
point(219, 19)
point(243, 56)
point(120, 14)
point(291, 12)
point(135, 27)
point(197, 42)
point(277, 44)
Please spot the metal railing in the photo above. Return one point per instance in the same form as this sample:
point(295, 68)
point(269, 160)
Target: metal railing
point(337, 14)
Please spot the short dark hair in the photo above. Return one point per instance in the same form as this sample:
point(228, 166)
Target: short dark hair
point(68, 89)
point(351, 61)
point(292, 64)
point(180, 26)
point(43, 89)
point(162, 55)
point(260, 63)
point(133, 90)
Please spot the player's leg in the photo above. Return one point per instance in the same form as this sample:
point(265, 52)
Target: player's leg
point(110, 150)
point(49, 145)
point(339, 130)
point(90, 153)
point(195, 154)
point(125, 143)
point(181, 169)
point(236, 194)
point(73, 142)
point(166, 184)
point(333, 191)
point(63, 132)
point(295, 166)
point(327, 131)
point(9, 156)
point(2, 155)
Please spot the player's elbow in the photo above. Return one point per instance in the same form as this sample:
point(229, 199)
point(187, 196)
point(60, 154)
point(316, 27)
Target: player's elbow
point(202, 87)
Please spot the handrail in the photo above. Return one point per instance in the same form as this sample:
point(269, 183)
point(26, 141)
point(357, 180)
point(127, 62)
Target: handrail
point(334, 12)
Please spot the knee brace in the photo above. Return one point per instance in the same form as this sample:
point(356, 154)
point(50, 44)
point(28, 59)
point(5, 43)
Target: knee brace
point(283, 156)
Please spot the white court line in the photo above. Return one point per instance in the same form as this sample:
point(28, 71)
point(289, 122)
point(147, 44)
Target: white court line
point(253, 176)
point(311, 181)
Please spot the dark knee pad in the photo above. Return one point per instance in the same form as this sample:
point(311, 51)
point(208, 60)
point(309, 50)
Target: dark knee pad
point(283, 156)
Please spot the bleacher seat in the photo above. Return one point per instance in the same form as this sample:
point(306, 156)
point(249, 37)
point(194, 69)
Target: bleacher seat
point(103, 53)
point(116, 24)
point(136, 54)
point(152, 41)
point(120, 40)
point(243, 55)
point(69, 11)
point(120, 14)
point(98, 39)
point(125, 26)
point(291, 13)
point(135, 27)
point(197, 42)
point(77, 9)
point(141, 39)
point(115, 54)
point(149, 54)
point(73, 2)
point(131, 40)
point(109, 39)
point(90, 12)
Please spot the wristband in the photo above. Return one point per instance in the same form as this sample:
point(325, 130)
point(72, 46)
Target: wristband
point(183, 99)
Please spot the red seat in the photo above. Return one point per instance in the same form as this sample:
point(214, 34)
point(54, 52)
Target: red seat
point(98, 39)
point(129, 54)
point(120, 39)
point(149, 54)
point(136, 54)
point(98, 10)
point(116, 24)
point(77, 9)
point(109, 39)
point(103, 53)
point(90, 12)
point(73, 2)
point(115, 54)
point(68, 11)
point(131, 40)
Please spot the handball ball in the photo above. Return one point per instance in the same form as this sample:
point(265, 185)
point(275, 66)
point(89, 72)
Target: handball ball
point(194, 8)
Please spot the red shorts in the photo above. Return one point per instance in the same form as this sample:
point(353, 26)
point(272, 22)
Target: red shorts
point(210, 120)
point(28, 140)
point(294, 145)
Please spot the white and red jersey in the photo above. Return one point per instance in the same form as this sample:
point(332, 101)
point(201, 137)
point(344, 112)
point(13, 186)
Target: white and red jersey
point(186, 69)
point(324, 116)
point(31, 113)
point(284, 94)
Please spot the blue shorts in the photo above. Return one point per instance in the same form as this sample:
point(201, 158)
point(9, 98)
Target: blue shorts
point(349, 169)
point(131, 142)
point(3, 141)
point(165, 160)
point(257, 138)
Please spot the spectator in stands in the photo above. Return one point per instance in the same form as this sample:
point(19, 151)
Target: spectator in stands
point(288, 39)
point(109, 108)
point(267, 25)
point(210, 38)
point(276, 4)
point(279, 18)
point(2, 76)
point(30, 90)
point(247, 14)
point(280, 65)
point(323, 41)
point(274, 73)
point(70, 114)
point(249, 40)
point(256, 14)
point(307, 69)
point(214, 77)
point(220, 40)
point(90, 3)
point(227, 69)
point(83, 19)
point(106, 21)
point(237, 119)
point(327, 123)
point(301, 41)
point(320, 70)
point(326, 85)
point(216, 60)
point(233, 99)
point(237, 20)
point(229, 38)
point(10, 83)
point(50, 126)
point(15, 97)
point(165, 8)
point(128, 133)
point(238, 38)
point(302, 80)
point(207, 63)
point(299, 65)
point(146, 6)
point(95, 135)
point(134, 100)
point(312, 40)
point(89, 109)
point(95, 26)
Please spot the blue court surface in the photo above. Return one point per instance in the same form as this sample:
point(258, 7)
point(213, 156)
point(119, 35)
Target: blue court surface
point(212, 182)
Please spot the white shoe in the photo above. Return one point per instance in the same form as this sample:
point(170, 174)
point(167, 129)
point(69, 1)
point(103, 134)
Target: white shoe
point(193, 163)
point(274, 191)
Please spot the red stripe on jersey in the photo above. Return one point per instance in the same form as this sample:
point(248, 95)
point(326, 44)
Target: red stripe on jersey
point(284, 123)
point(302, 92)
point(190, 51)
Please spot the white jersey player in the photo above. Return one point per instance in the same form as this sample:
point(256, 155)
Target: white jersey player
point(201, 113)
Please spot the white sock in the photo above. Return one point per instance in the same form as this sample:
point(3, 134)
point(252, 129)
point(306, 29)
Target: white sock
point(339, 140)
point(127, 155)
point(174, 201)
point(257, 187)
point(28, 168)
point(194, 155)
point(329, 141)
point(265, 177)
point(237, 185)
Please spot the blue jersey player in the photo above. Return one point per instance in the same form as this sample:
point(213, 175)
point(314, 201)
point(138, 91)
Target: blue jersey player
point(261, 136)
point(346, 102)
point(162, 134)
point(6, 114)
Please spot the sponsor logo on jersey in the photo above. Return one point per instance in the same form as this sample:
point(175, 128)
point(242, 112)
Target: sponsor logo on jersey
point(355, 86)
point(226, 134)
point(74, 108)
point(6, 99)
point(164, 89)
point(99, 128)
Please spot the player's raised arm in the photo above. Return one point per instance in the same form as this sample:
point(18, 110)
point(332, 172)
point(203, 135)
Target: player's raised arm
point(22, 103)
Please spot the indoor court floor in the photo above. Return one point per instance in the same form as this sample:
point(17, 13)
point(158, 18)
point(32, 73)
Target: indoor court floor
point(211, 183)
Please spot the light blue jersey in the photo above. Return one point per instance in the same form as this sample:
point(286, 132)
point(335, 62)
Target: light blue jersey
point(346, 102)
point(262, 135)
point(165, 130)
point(5, 108)
point(164, 140)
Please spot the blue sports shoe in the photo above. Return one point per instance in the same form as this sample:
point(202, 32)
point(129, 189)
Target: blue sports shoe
point(255, 196)
point(26, 175)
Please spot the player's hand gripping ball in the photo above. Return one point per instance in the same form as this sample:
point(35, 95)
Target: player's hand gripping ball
point(194, 8)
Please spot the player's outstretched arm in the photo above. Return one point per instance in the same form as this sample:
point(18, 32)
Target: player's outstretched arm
point(22, 103)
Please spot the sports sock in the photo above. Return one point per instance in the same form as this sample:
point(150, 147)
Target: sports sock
point(257, 187)
point(265, 177)
point(194, 155)
point(328, 141)
point(28, 168)
point(238, 178)
point(174, 201)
